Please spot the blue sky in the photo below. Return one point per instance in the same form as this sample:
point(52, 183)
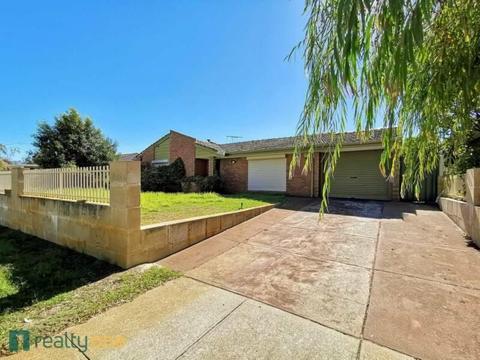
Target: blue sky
point(140, 68)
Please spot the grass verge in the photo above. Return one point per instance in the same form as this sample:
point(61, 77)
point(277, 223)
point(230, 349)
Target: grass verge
point(46, 288)
point(159, 207)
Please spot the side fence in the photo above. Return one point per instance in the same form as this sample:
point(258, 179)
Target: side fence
point(90, 184)
point(460, 200)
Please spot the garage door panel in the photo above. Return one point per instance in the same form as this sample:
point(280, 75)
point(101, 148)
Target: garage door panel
point(267, 175)
point(357, 175)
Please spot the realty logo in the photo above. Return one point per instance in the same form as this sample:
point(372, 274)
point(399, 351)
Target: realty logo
point(13, 336)
point(65, 341)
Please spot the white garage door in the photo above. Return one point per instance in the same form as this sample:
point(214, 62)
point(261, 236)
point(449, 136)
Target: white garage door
point(267, 175)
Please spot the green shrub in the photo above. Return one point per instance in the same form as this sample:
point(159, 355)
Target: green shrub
point(164, 178)
point(213, 184)
point(204, 184)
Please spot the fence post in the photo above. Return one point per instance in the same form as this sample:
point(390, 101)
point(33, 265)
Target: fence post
point(60, 180)
point(15, 218)
point(17, 182)
point(125, 193)
point(125, 209)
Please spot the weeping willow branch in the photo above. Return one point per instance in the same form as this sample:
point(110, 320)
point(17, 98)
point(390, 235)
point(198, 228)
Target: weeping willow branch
point(406, 65)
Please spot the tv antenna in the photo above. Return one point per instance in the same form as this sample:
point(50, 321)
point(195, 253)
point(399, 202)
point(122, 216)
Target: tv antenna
point(231, 138)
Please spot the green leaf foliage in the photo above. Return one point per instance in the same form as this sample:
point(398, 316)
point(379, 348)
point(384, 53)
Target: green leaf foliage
point(212, 183)
point(7, 155)
point(411, 66)
point(71, 141)
point(164, 178)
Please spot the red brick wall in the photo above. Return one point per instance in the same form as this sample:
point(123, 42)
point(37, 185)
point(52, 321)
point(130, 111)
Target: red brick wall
point(396, 183)
point(201, 167)
point(148, 155)
point(299, 184)
point(235, 174)
point(182, 146)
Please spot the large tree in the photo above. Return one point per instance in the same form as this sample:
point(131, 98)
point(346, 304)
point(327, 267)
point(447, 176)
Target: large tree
point(71, 141)
point(6, 156)
point(412, 66)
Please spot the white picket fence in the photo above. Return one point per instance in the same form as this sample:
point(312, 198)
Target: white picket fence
point(90, 184)
point(5, 181)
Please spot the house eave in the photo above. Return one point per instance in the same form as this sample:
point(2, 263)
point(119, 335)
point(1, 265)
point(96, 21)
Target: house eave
point(322, 148)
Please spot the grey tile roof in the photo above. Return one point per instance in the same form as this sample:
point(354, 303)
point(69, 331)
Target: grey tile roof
point(128, 157)
point(285, 143)
point(211, 145)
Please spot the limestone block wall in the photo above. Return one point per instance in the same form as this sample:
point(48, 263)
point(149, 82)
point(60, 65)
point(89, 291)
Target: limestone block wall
point(466, 214)
point(160, 240)
point(106, 232)
point(110, 232)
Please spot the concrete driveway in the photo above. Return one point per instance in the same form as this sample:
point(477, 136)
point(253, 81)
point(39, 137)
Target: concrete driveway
point(369, 281)
point(392, 274)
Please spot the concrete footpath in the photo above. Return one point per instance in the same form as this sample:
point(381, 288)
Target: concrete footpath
point(189, 319)
point(370, 281)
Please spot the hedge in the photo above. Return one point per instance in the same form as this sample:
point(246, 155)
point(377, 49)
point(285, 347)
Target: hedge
point(164, 178)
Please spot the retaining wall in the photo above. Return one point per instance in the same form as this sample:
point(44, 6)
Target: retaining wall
point(161, 240)
point(110, 232)
point(466, 214)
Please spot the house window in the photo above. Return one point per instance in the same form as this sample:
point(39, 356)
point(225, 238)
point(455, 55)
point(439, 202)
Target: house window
point(158, 163)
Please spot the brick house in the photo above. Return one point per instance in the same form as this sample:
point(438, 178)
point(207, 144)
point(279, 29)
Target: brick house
point(263, 165)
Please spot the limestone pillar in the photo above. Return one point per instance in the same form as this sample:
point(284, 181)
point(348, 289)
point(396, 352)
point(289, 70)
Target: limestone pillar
point(472, 183)
point(125, 209)
point(17, 182)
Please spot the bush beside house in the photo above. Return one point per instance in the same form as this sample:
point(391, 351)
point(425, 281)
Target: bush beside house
point(164, 178)
point(203, 184)
point(171, 178)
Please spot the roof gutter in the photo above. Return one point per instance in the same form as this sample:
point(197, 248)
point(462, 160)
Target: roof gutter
point(323, 148)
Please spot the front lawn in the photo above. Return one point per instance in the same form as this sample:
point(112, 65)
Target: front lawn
point(46, 288)
point(159, 207)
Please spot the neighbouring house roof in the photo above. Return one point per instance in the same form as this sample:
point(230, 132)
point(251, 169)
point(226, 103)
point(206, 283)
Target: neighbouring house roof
point(285, 143)
point(18, 164)
point(128, 157)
